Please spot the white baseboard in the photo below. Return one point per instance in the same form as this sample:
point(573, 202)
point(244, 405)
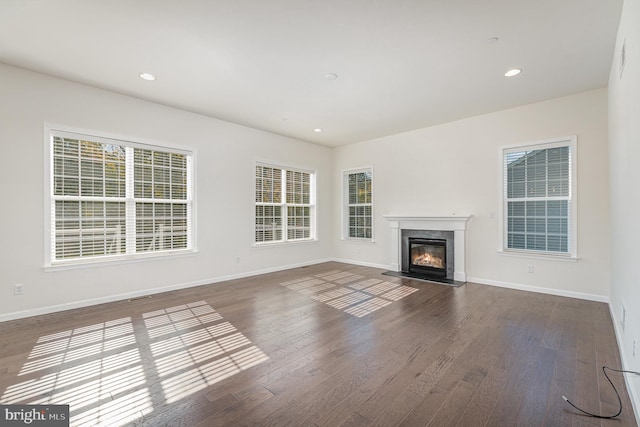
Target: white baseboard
point(119, 297)
point(540, 290)
point(633, 391)
point(362, 263)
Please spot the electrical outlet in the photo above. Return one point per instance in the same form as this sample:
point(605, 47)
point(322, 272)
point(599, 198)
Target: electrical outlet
point(17, 289)
point(622, 316)
point(530, 269)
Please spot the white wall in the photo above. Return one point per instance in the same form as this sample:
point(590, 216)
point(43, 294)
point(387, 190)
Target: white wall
point(455, 168)
point(624, 149)
point(225, 156)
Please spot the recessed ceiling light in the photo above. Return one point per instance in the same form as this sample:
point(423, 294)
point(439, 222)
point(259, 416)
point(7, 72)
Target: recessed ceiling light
point(147, 76)
point(513, 72)
point(331, 76)
point(317, 130)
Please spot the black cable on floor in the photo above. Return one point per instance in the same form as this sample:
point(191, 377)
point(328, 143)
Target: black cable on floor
point(604, 370)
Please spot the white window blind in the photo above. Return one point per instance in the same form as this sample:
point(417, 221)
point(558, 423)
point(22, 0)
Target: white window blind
point(117, 199)
point(538, 198)
point(285, 209)
point(358, 208)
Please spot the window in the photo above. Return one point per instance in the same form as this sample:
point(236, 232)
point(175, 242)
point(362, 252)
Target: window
point(539, 198)
point(358, 215)
point(285, 204)
point(116, 199)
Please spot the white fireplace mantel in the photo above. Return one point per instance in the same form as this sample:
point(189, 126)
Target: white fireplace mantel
point(455, 223)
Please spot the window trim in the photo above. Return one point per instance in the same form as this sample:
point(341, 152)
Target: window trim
point(313, 177)
point(345, 206)
point(572, 143)
point(109, 138)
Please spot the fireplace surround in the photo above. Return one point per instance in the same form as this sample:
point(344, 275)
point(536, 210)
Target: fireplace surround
point(450, 227)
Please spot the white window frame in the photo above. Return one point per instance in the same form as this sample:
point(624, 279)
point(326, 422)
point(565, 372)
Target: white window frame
point(572, 240)
point(130, 254)
point(346, 205)
point(284, 205)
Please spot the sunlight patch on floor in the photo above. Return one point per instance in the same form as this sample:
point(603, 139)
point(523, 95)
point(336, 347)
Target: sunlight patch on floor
point(118, 412)
point(345, 291)
point(98, 369)
point(194, 360)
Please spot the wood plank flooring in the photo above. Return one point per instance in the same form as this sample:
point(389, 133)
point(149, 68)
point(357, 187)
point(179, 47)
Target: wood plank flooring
point(326, 345)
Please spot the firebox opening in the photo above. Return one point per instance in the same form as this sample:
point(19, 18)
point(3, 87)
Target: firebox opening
point(428, 256)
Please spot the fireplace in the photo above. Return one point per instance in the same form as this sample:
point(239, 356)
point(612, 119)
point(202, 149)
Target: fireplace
point(428, 253)
point(428, 256)
point(451, 228)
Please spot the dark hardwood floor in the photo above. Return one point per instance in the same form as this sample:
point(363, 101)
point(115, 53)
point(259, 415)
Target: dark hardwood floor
point(327, 345)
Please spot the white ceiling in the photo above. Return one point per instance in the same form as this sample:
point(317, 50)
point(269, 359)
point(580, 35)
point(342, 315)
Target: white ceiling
point(401, 64)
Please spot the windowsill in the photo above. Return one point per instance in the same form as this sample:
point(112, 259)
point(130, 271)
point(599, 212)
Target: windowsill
point(539, 255)
point(74, 265)
point(285, 243)
point(357, 240)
